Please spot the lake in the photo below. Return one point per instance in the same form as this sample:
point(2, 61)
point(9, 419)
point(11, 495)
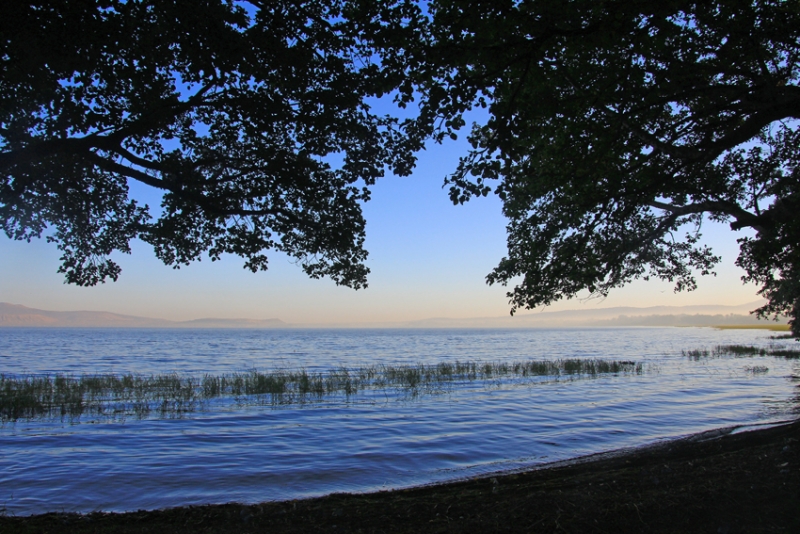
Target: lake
point(253, 450)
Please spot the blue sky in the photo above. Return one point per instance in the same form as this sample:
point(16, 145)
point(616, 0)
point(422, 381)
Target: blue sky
point(428, 259)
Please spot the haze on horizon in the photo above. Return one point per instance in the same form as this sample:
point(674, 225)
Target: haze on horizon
point(428, 259)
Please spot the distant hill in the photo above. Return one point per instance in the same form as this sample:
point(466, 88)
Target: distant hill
point(17, 315)
point(701, 315)
point(708, 315)
point(684, 320)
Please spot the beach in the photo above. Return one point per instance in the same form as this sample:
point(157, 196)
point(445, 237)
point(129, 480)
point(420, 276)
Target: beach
point(726, 481)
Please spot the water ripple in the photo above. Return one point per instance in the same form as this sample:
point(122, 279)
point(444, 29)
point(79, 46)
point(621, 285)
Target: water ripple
point(228, 453)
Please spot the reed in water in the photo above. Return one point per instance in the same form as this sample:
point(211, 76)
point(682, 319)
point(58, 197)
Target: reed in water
point(171, 395)
point(742, 351)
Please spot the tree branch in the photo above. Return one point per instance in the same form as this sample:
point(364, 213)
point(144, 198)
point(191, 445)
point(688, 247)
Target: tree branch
point(139, 176)
point(743, 217)
point(788, 107)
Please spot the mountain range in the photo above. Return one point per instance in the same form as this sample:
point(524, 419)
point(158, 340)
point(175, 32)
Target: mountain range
point(17, 315)
point(704, 315)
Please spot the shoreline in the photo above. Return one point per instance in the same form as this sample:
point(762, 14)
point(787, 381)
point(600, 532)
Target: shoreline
point(775, 327)
point(734, 479)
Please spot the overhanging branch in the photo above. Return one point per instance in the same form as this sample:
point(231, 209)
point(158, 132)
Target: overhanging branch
point(743, 217)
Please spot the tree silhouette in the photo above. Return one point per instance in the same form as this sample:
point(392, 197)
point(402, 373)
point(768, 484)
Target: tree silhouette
point(616, 127)
point(253, 124)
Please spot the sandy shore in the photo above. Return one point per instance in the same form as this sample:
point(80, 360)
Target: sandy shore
point(719, 482)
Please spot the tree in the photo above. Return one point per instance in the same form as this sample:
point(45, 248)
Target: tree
point(616, 127)
point(251, 118)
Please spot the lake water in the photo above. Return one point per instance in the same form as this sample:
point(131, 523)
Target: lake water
point(226, 451)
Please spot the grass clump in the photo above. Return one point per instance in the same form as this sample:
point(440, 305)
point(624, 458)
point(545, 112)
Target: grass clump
point(742, 351)
point(66, 396)
point(170, 395)
point(783, 336)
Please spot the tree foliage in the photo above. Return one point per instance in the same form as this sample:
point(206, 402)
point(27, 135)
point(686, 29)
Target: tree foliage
point(251, 118)
point(616, 127)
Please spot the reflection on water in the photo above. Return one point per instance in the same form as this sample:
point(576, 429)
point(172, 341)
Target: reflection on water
point(226, 451)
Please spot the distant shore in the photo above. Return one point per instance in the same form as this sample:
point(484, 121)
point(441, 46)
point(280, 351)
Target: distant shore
point(775, 327)
point(16, 315)
point(720, 481)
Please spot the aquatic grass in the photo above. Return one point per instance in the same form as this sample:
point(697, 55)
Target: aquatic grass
point(696, 354)
point(171, 395)
point(742, 351)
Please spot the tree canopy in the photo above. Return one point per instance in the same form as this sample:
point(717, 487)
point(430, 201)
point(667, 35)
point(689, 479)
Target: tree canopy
point(251, 118)
point(615, 128)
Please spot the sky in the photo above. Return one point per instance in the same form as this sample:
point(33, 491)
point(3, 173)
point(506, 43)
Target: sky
point(427, 257)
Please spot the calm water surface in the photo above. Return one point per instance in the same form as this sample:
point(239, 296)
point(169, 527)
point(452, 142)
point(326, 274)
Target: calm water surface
point(372, 440)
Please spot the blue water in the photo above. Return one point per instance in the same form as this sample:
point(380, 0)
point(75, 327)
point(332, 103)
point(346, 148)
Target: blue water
point(373, 440)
